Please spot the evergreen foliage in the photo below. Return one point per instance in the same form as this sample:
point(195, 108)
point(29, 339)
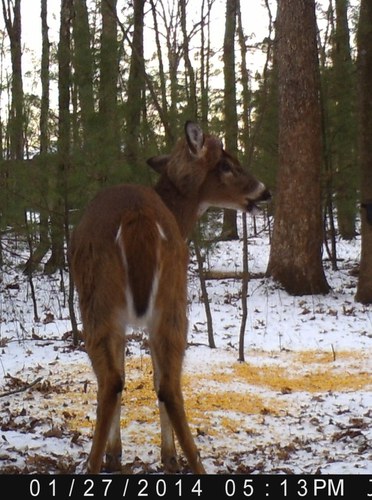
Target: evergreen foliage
point(126, 76)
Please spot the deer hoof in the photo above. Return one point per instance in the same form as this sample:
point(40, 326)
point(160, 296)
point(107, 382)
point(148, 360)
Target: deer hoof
point(113, 463)
point(171, 465)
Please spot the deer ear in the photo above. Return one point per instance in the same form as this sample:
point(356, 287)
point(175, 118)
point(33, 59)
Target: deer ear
point(158, 163)
point(194, 136)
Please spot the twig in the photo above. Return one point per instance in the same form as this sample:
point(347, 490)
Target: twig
point(22, 389)
point(231, 275)
point(204, 291)
point(333, 352)
point(245, 281)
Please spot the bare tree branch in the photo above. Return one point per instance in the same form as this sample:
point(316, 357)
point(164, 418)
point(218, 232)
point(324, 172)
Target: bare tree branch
point(21, 389)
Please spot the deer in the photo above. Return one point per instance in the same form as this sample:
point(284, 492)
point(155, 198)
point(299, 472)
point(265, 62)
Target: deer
point(128, 258)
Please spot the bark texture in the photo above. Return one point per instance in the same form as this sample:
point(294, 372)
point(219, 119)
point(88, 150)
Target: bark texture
point(296, 251)
point(364, 291)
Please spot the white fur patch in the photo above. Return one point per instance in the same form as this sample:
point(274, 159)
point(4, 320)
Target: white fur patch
point(128, 316)
point(161, 232)
point(257, 192)
point(203, 207)
point(118, 235)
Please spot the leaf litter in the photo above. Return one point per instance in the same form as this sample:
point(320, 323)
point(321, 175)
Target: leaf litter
point(301, 403)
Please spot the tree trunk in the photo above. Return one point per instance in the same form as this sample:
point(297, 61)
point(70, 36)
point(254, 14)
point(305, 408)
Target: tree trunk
point(16, 118)
point(60, 208)
point(174, 57)
point(229, 228)
point(83, 65)
point(204, 292)
point(246, 93)
point(44, 76)
point(192, 105)
point(163, 107)
point(364, 291)
point(344, 133)
point(43, 246)
point(109, 122)
point(295, 258)
point(136, 85)
point(159, 50)
point(245, 281)
point(205, 52)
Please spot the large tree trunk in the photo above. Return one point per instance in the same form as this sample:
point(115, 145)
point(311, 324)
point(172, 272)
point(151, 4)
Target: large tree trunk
point(295, 258)
point(364, 292)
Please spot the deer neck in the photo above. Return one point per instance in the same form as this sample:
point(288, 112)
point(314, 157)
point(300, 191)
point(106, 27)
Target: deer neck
point(185, 208)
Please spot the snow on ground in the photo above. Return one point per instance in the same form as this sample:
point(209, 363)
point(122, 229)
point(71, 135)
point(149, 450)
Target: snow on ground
point(301, 402)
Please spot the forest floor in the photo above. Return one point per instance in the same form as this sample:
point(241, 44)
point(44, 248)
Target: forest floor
point(300, 403)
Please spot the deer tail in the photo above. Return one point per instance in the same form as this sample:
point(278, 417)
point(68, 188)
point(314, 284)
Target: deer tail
point(139, 238)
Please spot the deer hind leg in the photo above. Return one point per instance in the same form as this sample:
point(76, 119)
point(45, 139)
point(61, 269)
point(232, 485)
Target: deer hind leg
point(167, 348)
point(168, 449)
point(113, 448)
point(171, 396)
point(107, 358)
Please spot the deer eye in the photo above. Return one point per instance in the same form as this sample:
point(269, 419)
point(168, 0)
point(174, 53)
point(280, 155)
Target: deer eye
point(225, 167)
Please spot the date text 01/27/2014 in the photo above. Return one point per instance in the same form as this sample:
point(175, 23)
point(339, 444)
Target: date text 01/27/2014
point(192, 487)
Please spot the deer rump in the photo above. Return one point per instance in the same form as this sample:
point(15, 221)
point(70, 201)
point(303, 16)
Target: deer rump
point(141, 231)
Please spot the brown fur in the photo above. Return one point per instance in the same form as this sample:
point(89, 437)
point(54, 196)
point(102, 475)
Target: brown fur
point(140, 241)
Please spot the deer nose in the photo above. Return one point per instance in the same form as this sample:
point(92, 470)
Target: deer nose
point(265, 196)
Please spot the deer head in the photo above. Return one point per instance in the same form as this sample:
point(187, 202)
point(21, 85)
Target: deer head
point(202, 171)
